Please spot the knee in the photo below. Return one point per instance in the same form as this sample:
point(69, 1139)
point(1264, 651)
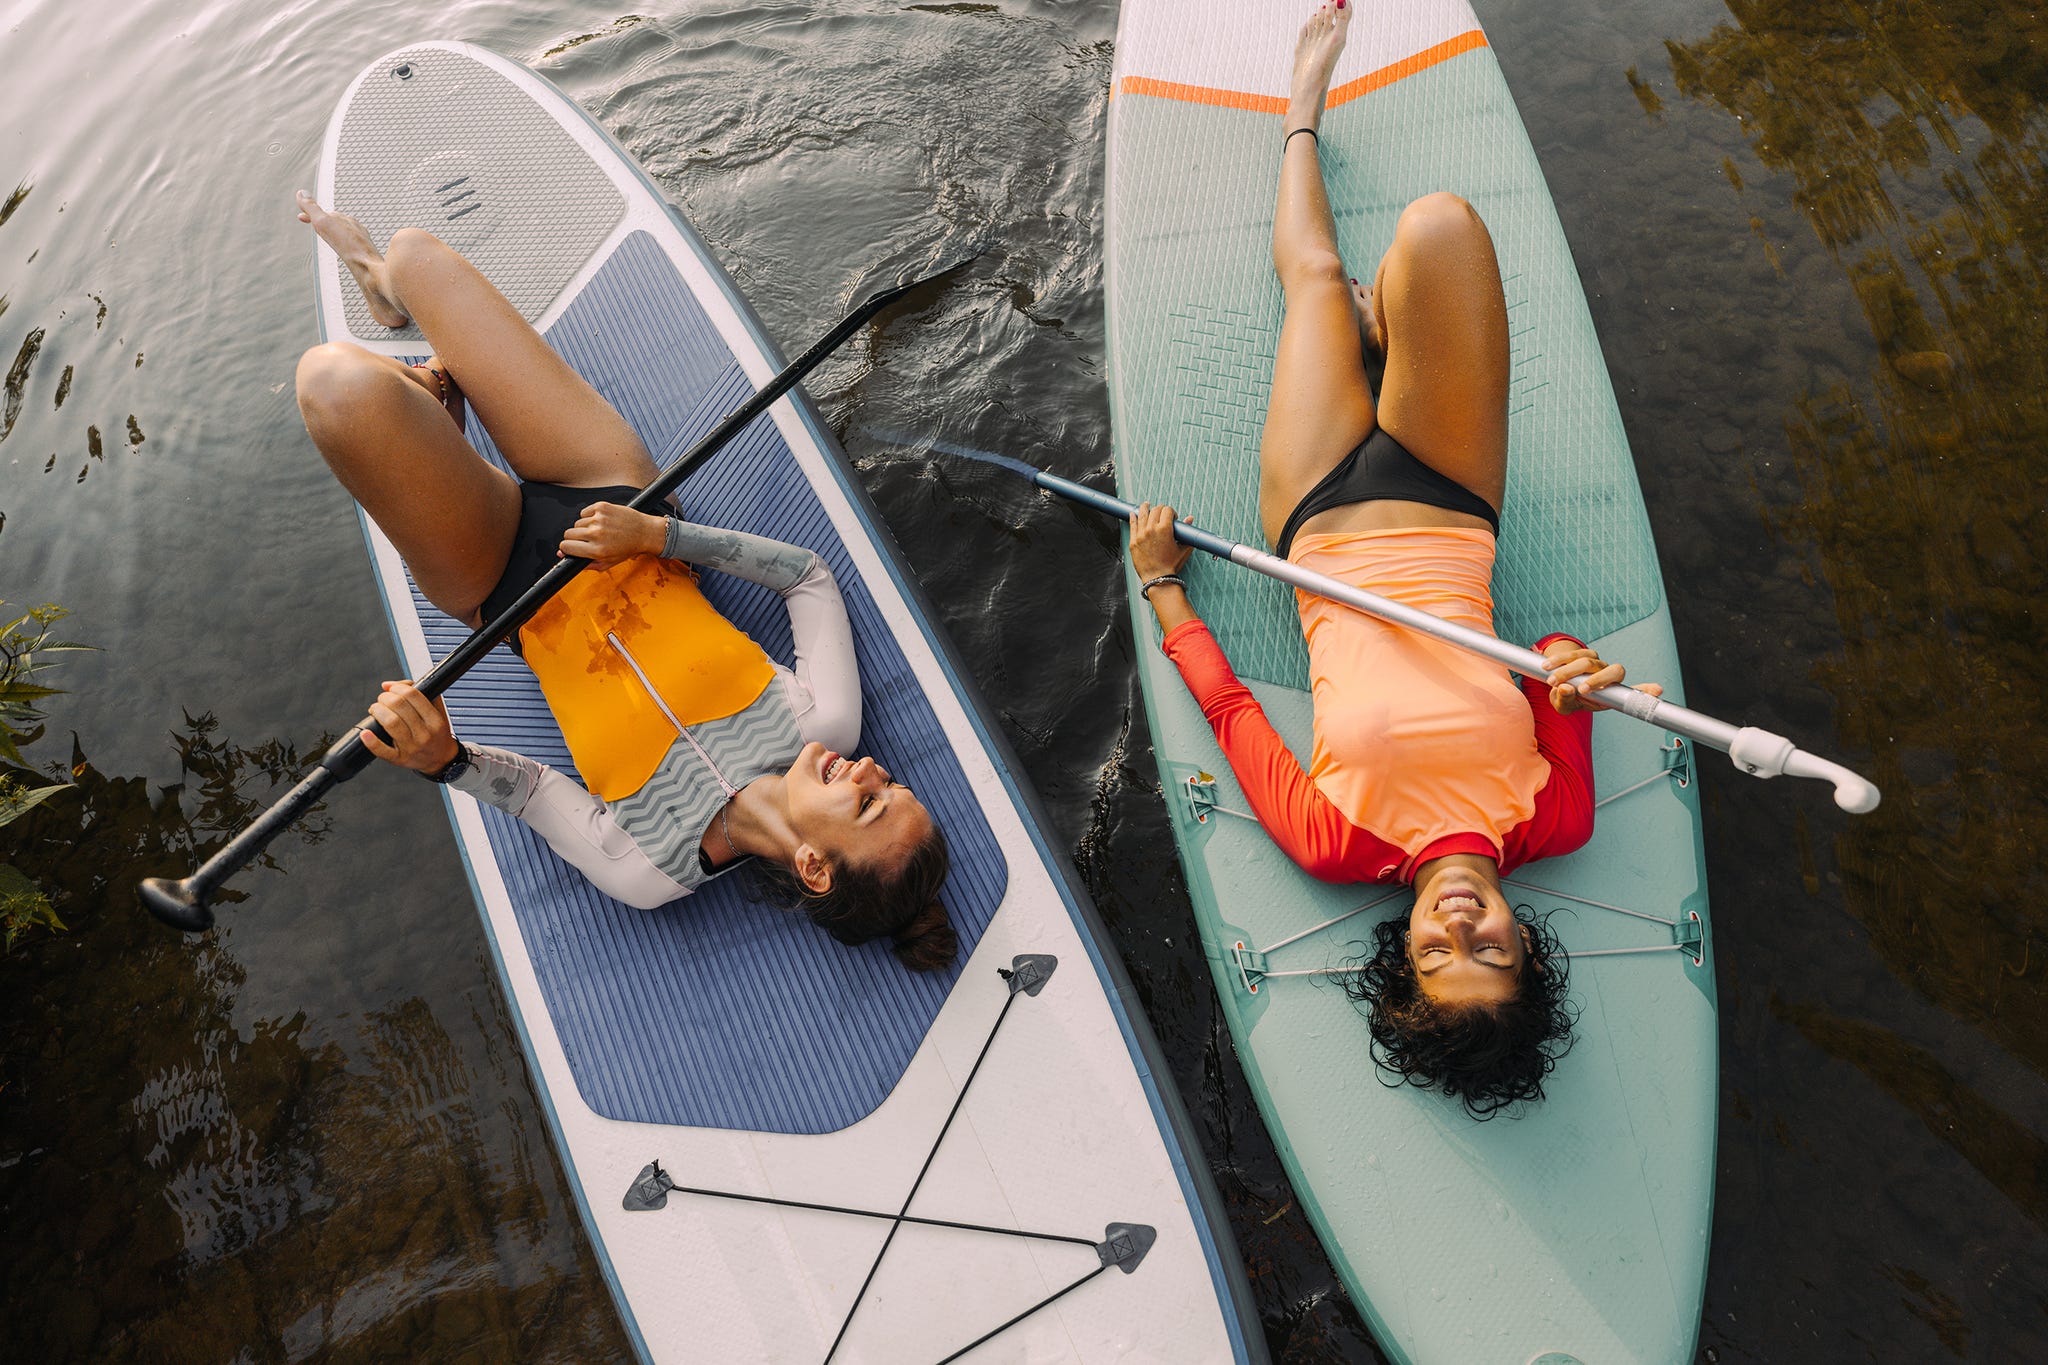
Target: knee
point(1439, 218)
point(335, 378)
point(410, 251)
point(1311, 269)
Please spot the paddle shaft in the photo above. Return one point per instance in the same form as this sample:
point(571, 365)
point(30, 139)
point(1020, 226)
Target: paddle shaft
point(1757, 752)
point(183, 904)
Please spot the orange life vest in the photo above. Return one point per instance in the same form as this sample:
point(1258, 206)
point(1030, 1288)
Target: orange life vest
point(626, 656)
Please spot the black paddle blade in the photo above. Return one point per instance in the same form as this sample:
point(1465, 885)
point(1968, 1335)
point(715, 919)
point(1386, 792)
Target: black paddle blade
point(927, 277)
point(176, 904)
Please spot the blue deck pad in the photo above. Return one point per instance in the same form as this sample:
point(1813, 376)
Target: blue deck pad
point(719, 1011)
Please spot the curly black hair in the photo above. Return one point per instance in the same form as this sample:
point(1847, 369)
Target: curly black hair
point(1489, 1056)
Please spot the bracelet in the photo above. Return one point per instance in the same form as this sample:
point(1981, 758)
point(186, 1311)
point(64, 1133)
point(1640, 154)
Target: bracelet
point(1145, 588)
point(1297, 133)
point(440, 378)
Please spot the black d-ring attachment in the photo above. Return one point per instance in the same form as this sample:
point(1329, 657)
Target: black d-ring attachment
point(403, 71)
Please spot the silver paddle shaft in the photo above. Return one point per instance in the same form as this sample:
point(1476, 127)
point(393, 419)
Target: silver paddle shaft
point(1757, 752)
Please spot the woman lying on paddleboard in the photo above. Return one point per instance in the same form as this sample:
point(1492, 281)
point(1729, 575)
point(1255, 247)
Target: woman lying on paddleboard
point(698, 749)
point(1430, 766)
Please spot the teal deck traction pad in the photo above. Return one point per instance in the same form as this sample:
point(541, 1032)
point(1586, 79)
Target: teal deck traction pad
point(718, 1010)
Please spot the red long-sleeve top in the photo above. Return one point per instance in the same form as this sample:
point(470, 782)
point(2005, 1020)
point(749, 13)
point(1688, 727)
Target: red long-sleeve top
point(1312, 831)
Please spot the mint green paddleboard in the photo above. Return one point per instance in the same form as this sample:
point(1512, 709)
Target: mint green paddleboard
point(1579, 1230)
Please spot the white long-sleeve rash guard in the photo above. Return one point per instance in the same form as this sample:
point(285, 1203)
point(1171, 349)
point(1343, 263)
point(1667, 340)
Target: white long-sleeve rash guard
point(823, 689)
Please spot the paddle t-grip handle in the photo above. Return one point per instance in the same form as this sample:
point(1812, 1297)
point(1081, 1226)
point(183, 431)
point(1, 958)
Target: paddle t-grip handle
point(1763, 754)
point(1756, 751)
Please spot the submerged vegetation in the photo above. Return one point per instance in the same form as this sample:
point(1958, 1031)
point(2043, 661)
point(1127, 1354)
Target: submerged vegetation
point(1914, 144)
point(25, 650)
point(96, 835)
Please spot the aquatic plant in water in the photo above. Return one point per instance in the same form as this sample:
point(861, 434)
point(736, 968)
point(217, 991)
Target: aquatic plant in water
point(25, 645)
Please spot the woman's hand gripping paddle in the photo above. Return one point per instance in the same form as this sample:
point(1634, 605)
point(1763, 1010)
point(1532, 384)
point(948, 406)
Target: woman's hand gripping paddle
point(183, 904)
point(1757, 752)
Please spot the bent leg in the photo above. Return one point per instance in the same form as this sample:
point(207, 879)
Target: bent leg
point(1321, 404)
point(1444, 323)
point(451, 514)
point(550, 424)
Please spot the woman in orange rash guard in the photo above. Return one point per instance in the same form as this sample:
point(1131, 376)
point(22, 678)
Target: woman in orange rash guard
point(1430, 765)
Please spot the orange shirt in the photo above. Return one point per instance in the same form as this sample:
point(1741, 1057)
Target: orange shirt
point(1415, 739)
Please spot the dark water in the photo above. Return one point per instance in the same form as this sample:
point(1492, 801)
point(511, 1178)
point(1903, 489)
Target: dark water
point(1812, 233)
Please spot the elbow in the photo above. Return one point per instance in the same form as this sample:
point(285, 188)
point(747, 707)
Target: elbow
point(815, 577)
point(642, 897)
point(1324, 864)
point(630, 878)
point(835, 727)
point(1573, 830)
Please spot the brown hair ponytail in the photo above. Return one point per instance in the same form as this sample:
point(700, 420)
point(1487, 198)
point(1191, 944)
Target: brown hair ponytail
point(864, 903)
point(928, 942)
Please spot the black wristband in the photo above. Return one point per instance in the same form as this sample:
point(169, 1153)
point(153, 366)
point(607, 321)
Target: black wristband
point(1297, 133)
point(457, 766)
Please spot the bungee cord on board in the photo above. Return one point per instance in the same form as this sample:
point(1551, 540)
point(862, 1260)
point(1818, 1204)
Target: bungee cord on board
point(1122, 1245)
point(1687, 935)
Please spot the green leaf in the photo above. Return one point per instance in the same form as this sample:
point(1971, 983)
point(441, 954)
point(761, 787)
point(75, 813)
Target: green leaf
point(17, 800)
point(23, 906)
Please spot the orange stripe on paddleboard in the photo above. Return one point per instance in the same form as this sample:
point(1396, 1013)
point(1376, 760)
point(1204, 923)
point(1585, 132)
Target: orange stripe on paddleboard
point(1276, 104)
point(1202, 94)
point(1407, 66)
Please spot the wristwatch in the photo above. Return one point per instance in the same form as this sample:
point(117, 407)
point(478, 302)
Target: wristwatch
point(457, 766)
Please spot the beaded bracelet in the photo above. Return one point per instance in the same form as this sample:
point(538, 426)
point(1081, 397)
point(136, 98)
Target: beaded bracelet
point(1145, 588)
point(440, 378)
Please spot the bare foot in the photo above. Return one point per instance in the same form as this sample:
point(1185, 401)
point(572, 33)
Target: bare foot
point(1315, 57)
point(352, 243)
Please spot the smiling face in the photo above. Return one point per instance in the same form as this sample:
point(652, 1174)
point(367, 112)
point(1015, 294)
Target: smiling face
point(1463, 939)
point(847, 811)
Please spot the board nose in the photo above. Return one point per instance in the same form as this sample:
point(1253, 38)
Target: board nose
point(452, 195)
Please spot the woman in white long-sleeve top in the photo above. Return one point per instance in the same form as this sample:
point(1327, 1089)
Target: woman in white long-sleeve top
point(699, 751)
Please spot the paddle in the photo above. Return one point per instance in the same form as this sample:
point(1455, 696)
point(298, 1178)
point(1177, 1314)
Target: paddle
point(183, 905)
point(1759, 753)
